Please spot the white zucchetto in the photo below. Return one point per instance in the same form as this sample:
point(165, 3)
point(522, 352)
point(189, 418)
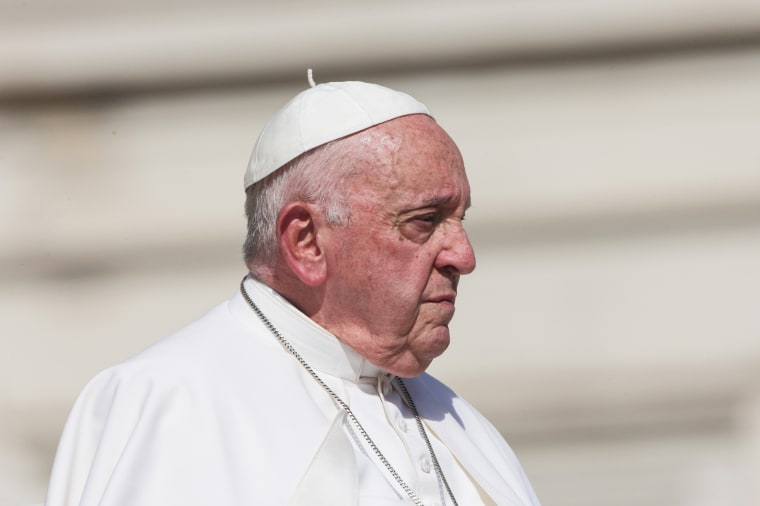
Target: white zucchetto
point(324, 113)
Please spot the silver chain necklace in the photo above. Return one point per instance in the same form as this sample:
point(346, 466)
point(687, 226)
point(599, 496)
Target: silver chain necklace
point(407, 398)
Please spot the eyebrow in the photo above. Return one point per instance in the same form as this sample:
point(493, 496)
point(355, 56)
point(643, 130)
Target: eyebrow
point(442, 200)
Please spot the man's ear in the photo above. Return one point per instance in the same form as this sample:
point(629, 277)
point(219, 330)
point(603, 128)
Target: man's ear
point(299, 226)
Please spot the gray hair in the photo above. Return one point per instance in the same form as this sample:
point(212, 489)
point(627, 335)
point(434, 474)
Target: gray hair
point(318, 176)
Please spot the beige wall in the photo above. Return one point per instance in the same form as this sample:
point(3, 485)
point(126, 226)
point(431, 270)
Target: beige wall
point(610, 330)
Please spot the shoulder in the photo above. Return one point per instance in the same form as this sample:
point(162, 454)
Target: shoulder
point(184, 409)
point(214, 344)
point(436, 401)
point(209, 358)
point(472, 438)
point(451, 414)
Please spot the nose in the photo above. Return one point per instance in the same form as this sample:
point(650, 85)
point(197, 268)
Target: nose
point(457, 253)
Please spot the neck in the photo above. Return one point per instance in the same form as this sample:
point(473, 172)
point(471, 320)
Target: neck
point(305, 298)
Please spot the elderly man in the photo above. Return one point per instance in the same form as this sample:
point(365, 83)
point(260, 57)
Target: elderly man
point(308, 386)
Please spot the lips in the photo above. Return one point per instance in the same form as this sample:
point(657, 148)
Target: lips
point(448, 297)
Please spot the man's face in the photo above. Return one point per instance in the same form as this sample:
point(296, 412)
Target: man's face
point(392, 272)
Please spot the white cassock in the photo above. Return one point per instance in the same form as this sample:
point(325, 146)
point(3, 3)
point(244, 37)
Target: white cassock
point(220, 414)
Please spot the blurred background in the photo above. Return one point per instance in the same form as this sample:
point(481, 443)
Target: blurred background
point(611, 330)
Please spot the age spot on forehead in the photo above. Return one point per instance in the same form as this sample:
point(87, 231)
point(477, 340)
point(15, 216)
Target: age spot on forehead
point(391, 143)
point(376, 143)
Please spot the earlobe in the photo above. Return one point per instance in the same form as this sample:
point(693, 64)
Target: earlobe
point(298, 232)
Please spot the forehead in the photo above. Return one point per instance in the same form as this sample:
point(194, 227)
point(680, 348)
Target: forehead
point(415, 157)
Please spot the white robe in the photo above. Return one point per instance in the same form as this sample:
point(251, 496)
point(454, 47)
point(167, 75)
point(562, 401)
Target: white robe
point(220, 414)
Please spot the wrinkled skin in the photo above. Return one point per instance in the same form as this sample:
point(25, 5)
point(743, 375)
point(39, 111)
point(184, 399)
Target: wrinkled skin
point(392, 271)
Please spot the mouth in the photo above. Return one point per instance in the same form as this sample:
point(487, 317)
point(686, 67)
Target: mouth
point(447, 298)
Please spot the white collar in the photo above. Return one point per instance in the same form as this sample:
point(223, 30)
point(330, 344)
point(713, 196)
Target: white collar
point(321, 349)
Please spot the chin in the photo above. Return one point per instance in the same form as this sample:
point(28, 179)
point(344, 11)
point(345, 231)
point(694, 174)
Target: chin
point(417, 363)
point(435, 345)
point(424, 348)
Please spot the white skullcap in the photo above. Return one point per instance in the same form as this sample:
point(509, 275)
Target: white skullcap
point(321, 114)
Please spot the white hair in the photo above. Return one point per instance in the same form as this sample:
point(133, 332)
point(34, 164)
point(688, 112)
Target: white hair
point(318, 176)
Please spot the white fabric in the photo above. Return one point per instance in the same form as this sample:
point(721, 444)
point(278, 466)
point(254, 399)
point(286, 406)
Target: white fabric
point(219, 413)
point(322, 114)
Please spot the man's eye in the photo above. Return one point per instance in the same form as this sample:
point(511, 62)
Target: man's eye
point(419, 228)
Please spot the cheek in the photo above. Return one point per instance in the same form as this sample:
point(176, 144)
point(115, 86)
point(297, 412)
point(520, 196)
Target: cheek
point(385, 265)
